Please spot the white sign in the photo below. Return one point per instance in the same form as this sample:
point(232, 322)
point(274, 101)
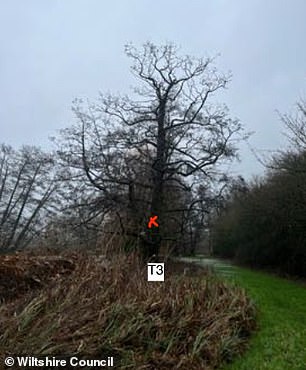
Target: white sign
point(156, 272)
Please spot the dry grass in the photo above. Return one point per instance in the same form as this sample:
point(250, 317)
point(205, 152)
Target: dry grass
point(20, 273)
point(107, 307)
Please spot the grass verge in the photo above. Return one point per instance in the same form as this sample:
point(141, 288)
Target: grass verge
point(280, 342)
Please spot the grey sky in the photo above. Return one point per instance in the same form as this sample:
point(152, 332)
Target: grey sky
point(54, 51)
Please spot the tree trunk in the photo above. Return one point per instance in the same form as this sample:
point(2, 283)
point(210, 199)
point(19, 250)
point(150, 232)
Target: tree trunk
point(158, 169)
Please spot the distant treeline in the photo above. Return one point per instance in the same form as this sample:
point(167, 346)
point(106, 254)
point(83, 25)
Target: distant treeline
point(263, 223)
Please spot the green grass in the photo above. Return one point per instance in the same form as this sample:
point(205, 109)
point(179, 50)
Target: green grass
point(280, 342)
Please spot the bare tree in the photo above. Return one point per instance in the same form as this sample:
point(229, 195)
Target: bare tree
point(170, 124)
point(26, 189)
point(296, 126)
point(289, 159)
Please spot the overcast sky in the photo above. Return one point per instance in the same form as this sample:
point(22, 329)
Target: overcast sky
point(53, 51)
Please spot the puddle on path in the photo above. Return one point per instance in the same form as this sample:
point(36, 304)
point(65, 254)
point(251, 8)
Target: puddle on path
point(222, 267)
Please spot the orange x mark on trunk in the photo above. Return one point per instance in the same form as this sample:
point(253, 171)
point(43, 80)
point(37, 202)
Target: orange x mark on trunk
point(152, 222)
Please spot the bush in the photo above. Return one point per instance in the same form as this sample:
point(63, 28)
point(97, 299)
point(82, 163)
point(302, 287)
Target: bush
point(265, 227)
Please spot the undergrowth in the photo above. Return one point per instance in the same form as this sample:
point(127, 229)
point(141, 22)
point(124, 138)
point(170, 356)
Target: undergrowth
point(107, 307)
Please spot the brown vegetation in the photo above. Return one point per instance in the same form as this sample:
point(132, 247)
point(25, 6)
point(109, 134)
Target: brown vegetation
point(107, 307)
point(20, 273)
